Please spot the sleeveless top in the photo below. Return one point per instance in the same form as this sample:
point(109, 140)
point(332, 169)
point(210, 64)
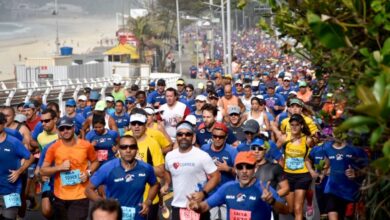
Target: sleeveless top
point(259, 120)
point(247, 103)
point(295, 155)
point(120, 95)
point(233, 101)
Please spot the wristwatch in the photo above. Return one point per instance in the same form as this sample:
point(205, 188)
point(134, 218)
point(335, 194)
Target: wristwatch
point(89, 173)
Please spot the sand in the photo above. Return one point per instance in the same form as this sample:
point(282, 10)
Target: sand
point(83, 34)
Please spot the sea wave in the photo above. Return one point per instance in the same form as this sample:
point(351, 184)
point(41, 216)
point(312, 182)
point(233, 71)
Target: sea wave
point(10, 29)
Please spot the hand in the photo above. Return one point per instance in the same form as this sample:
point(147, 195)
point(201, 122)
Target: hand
point(197, 196)
point(314, 174)
point(164, 189)
point(222, 166)
point(94, 143)
point(83, 177)
point(145, 208)
point(65, 165)
point(13, 176)
point(192, 204)
point(350, 173)
point(266, 195)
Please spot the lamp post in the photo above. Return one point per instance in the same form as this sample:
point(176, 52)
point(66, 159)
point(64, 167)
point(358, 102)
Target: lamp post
point(178, 36)
point(229, 36)
point(55, 13)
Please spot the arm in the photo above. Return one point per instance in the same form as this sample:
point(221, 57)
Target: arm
point(284, 188)
point(26, 136)
point(47, 170)
point(159, 171)
point(266, 122)
point(85, 127)
point(214, 179)
point(92, 193)
point(13, 177)
point(112, 124)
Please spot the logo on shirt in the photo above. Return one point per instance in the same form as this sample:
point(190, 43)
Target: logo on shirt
point(252, 198)
point(119, 179)
point(339, 157)
point(241, 197)
point(142, 174)
point(129, 178)
point(230, 197)
point(176, 165)
point(7, 150)
point(201, 131)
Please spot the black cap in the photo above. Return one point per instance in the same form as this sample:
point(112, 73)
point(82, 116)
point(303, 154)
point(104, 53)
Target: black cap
point(161, 82)
point(65, 121)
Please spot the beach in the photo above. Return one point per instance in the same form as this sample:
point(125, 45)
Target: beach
point(36, 38)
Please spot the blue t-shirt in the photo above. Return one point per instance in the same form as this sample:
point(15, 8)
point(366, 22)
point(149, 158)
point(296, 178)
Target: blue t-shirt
point(242, 202)
point(227, 153)
point(80, 110)
point(274, 100)
point(126, 187)
point(190, 103)
point(121, 121)
point(203, 136)
point(283, 92)
point(340, 159)
point(37, 130)
point(87, 111)
point(78, 121)
point(282, 116)
point(199, 119)
point(220, 92)
point(104, 144)
point(11, 152)
point(156, 97)
point(14, 133)
point(317, 154)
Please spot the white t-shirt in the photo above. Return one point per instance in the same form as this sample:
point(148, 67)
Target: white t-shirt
point(189, 173)
point(172, 115)
point(247, 103)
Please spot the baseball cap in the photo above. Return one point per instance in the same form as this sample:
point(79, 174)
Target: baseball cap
point(245, 157)
point(149, 110)
point(130, 100)
point(82, 97)
point(152, 84)
point(258, 142)
point(94, 95)
point(220, 126)
point(302, 84)
point(213, 94)
point(201, 98)
point(191, 119)
point(287, 78)
point(251, 126)
point(234, 110)
point(161, 82)
point(228, 76)
point(65, 121)
point(238, 81)
point(266, 73)
point(70, 102)
point(270, 85)
point(20, 118)
point(109, 99)
point(180, 82)
point(100, 105)
point(87, 90)
point(295, 101)
point(117, 82)
point(29, 105)
point(138, 117)
point(292, 93)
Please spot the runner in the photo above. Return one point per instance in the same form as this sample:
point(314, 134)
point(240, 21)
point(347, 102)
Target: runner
point(109, 209)
point(19, 127)
point(81, 104)
point(118, 93)
point(200, 101)
point(125, 180)
point(122, 119)
point(235, 121)
point(191, 171)
point(157, 98)
point(71, 112)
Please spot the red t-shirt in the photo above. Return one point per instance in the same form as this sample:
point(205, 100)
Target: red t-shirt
point(31, 124)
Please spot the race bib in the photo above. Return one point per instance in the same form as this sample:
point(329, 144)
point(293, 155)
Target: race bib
point(295, 163)
point(239, 214)
point(128, 213)
point(102, 155)
point(188, 214)
point(121, 131)
point(70, 178)
point(12, 200)
point(46, 186)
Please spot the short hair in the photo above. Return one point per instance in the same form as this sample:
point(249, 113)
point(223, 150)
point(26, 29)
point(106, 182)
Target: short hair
point(127, 136)
point(55, 105)
point(10, 108)
point(138, 111)
point(98, 119)
point(119, 101)
point(210, 108)
point(140, 92)
point(170, 89)
point(190, 86)
point(108, 205)
point(50, 111)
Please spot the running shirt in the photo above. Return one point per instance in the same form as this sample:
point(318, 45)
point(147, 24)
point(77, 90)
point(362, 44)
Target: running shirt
point(46, 138)
point(122, 121)
point(271, 172)
point(317, 154)
point(228, 154)
point(87, 111)
point(156, 97)
point(199, 118)
point(120, 95)
point(37, 130)
point(125, 186)
point(14, 133)
point(285, 125)
point(242, 203)
point(189, 173)
point(11, 152)
point(237, 131)
point(157, 135)
point(172, 115)
point(78, 121)
point(104, 144)
point(283, 92)
point(295, 154)
point(340, 159)
point(31, 124)
point(203, 136)
point(247, 103)
point(190, 103)
point(79, 155)
point(274, 100)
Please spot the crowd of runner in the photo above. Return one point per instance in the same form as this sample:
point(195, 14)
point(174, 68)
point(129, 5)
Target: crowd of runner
point(254, 144)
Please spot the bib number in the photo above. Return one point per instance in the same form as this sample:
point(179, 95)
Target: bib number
point(70, 178)
point(102, 155)
point(295, 163)
point(239, 214)
point(12, 200)
point(128, 213)
point(187, 214)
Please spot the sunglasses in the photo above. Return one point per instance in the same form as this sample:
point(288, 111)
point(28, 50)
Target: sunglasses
point(213, 97)
point(219, 136)
point(46, 120)
point(63, 128)
point(181, 134)
point(188, 90)
point(134, 123)
point(179, 85)
point(247, 166)
point(238, 85)
point(258, 148)
point(126, 146)
point(286, 80)
point(234, 114)
point(117, 84)
point(249, 133)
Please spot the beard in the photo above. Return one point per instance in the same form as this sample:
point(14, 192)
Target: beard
point(185, 144)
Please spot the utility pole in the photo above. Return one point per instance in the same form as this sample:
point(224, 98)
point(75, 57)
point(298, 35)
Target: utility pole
point(223, 35)
point(178, 36)
point(212, 31)
point(55, 13)
point(229, 37)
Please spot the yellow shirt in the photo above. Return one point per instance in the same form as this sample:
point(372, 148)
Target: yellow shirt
point(295, 155)
point(157, 135)
point(150, 152)
point(286, 129)
point(45, 138)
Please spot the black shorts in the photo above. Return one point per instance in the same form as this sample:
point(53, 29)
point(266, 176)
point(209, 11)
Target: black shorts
point(48, 194)
point(336, 204)
point(70, 209)
point(299, 181)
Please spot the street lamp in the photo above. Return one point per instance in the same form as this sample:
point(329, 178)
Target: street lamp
point(178, 36)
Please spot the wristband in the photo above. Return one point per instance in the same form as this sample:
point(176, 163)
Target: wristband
point(205, 193)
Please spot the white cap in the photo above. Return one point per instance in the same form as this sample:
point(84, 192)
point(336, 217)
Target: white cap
point(138, 117)
point(238, 81)
point(201, 98)
point(260, 96)
point(191, 119)
point(109, 99)
point(82, 97)
point(149, 110)
point(292, 92)
point(287, 78)
point(20, 118)
point(117, 81)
